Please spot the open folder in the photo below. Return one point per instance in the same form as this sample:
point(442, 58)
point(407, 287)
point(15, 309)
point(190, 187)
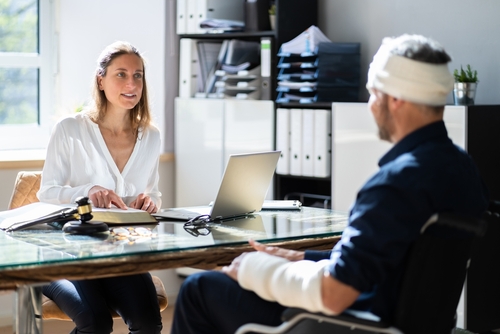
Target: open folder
point(40, 213)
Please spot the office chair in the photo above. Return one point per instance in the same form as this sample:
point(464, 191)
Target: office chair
point(482, 289)
point(25, 189)
point(429, 293)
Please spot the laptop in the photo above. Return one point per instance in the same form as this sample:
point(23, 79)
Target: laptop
point(242, 190)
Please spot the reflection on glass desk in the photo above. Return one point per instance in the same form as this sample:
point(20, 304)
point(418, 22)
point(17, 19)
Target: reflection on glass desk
point(44, 254)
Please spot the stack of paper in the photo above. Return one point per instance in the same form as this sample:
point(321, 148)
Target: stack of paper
point(306, 42)
point(220, 25)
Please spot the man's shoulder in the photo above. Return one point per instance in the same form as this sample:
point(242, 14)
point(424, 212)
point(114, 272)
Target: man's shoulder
point(423, 163)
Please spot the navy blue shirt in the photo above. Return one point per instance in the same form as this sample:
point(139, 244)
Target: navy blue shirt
point(423, 174)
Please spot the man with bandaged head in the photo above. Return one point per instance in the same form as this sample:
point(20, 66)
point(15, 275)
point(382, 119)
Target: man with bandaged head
point(422, 174)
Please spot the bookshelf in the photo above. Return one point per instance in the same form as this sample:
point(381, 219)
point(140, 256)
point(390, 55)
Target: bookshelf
point(292, 18)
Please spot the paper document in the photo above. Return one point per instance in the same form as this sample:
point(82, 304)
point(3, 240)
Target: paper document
point(281, 205)
point(297, 84)
point(27, 212)
point(306, 42)
point(220, 25)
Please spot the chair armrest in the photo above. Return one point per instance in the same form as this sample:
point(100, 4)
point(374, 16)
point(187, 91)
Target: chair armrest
point(349, 316)
point(301, 321)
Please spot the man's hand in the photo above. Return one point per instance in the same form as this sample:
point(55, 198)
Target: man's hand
point(103, 198)
point(290, 255)
point(144, 202)
point(232, 269)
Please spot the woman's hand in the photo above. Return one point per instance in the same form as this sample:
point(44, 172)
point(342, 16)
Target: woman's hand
point(144, 202)
point(288, 254)
point(104, 198)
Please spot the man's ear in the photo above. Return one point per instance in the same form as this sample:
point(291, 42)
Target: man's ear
point(394, 104)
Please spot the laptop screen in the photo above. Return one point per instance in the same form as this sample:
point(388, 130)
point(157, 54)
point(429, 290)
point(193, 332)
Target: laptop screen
point(245, 183)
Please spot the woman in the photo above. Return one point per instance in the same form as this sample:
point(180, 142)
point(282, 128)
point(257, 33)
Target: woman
point(110, 153)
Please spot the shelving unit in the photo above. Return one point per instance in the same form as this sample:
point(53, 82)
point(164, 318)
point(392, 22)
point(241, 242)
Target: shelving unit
point(292, 18)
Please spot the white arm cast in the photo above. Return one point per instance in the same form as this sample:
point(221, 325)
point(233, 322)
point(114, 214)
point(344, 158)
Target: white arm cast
point(292, 284)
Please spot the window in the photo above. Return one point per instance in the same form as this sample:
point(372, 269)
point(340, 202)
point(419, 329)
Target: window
point(26, 73)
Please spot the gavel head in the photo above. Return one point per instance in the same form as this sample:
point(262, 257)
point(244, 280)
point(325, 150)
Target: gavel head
point(84, 208)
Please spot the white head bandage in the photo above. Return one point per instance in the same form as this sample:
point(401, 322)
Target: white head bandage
point(408, 79)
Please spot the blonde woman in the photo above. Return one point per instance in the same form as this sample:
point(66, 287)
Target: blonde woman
point(110, 153)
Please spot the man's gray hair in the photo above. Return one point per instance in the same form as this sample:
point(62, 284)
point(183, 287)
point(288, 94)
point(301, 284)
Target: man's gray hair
point(420, 48)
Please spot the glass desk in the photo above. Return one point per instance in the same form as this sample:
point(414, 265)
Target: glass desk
point(29, 258)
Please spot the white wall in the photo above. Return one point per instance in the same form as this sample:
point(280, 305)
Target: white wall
point(467, 29)
point(86, 27)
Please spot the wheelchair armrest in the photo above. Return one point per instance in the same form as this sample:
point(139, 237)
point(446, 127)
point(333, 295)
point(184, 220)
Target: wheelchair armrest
point(300, 321)
point(348, 316)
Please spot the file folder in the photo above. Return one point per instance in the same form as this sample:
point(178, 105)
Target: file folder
point(322, 143)
point(188, 68)
point(265, 68)
point(296, 142)
point(201, 15)
point(208, 52)
point(181, 24)
point(283, 140)
point(192, 26)
point(214, 72)
point(308, 142)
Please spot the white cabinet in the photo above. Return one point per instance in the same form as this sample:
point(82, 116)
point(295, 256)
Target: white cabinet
point(207, 131)
point(356, 147)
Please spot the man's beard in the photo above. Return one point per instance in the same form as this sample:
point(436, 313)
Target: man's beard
point(383, 128)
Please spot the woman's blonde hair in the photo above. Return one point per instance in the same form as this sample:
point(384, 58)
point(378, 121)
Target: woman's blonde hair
point(140, 116)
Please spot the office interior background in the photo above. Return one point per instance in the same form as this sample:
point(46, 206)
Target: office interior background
point(468, 30)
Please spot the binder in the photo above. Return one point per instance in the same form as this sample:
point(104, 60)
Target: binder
point(295, 142)
point(188, 68)
point(283, 140)
point(181, 24)
point(193, 24)
point(308, 142)
point(201, 15)
point(265, 68)
point(322, 143)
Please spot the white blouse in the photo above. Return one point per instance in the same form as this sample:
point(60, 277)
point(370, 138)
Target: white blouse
point(78, 159)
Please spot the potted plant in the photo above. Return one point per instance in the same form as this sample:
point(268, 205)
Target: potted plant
point(272, 16)
point(465, 86)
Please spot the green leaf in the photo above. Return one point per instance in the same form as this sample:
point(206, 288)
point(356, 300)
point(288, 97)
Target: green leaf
point(468, 75)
